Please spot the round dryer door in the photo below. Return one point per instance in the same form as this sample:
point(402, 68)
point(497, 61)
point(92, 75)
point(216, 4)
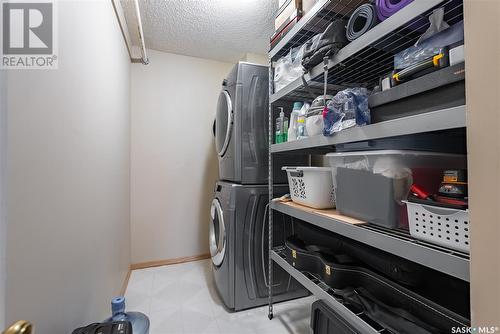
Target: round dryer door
point(224, 122)
point(217, 234)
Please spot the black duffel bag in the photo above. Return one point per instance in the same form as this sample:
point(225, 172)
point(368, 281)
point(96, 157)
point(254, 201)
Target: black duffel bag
point(326, 44)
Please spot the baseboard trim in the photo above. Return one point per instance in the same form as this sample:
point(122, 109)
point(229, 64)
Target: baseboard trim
point(150, 264)
point(125, 282)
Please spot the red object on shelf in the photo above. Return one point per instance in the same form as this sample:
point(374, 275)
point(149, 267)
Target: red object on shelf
point(452, 201)
point(420, 192)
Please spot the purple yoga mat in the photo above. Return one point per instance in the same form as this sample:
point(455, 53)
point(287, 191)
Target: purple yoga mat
point(386, 8)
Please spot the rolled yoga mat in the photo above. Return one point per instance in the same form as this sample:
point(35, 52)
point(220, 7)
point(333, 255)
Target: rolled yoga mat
point(386, 8)
point(362, 19)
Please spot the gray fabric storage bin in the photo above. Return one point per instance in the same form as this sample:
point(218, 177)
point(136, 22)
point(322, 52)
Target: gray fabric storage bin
point(367, 196)
point(370, 185)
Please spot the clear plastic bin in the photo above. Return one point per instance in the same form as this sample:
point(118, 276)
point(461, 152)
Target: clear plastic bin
point(410, 159)
point(371, 185)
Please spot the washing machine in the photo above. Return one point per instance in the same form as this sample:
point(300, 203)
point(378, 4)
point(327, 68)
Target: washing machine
point(239, 246)
point(241, 130)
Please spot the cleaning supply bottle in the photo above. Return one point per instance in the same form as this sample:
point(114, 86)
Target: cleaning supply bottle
point(139, 321)
point(277, 132)
point(294, 116)
point(281, 127)
point(301, 121)
point(284, 129)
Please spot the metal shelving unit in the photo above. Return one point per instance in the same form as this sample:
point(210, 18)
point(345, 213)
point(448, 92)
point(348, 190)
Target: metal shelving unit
point(301, 31)
point(445, 119)
point(367, 58)
point(402, 244)
point(324, 292)
point(360, 63)
point(314, 22)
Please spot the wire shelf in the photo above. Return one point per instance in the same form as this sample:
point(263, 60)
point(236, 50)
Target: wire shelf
point(331, 10)
point(367, 66)
point(368, 63)
point(321, 290)
point(405, 235)
point(397, 242)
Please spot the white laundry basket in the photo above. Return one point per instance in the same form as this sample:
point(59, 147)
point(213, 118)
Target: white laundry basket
point(438, 225)
point(311, 186)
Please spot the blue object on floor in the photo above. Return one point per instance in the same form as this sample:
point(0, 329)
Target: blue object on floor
point(139, 321)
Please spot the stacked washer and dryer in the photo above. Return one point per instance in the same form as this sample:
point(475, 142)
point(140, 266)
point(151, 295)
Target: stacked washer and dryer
point(238, 227)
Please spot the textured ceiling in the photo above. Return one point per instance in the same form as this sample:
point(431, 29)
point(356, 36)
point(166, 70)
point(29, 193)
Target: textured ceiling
point(216, 29)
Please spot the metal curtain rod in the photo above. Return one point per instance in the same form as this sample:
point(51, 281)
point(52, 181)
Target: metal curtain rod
point(125, 32)
point(144, 59)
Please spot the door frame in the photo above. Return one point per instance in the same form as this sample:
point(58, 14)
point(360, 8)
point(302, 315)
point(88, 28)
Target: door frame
point(3, 190)
point(482, 45)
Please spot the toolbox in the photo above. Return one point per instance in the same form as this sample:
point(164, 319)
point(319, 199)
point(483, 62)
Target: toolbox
point(441, 89)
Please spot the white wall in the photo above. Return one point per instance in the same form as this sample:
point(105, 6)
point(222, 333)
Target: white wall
point(3, 220)
point(174, 163)
point(68, 246)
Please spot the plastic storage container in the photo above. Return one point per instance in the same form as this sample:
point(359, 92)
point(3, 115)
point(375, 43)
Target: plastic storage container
point(371, 185)
point(442, 226)
point(370, 197)
point(139, 321)
point(311, 186)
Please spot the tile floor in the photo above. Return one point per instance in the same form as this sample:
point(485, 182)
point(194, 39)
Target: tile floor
point(182, 299)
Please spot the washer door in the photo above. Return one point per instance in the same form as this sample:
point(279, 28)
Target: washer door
point(217, 234)
point(224, 122)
